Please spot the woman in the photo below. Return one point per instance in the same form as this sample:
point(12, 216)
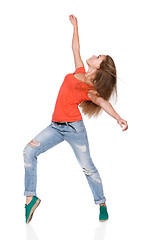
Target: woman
point(90, 90)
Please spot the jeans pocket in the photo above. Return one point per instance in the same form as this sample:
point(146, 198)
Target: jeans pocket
point(77, 126)
point(72, 127)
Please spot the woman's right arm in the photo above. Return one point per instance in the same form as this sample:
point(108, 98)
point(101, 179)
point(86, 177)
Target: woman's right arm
point(107, 107)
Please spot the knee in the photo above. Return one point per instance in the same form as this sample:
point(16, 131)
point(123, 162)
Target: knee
point(31, 146)
point(27, 157)
point(93, 174)
point(29, 152)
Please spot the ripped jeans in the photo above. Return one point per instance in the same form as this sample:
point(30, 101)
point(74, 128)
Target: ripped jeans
point(76, 135)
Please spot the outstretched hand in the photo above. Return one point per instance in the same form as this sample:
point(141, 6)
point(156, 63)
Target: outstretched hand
point(73, 19)
point(121, 121)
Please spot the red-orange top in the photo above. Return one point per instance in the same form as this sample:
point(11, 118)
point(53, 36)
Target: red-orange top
point(72, 92)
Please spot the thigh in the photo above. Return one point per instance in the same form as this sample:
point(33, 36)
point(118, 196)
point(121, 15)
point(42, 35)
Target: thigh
point(78, 140)
point(47, 138)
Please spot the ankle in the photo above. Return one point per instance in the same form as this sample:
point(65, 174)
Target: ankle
point(28, 199)
point(102, 204)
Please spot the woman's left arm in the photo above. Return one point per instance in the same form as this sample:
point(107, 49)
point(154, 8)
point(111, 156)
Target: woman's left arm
point(75, 43)
point(75, 39)
point(107, 107)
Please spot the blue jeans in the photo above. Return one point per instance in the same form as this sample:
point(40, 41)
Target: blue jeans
point(76, 135)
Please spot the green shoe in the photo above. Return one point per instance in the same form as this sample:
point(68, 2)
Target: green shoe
point(103, 216)
point(30, 208)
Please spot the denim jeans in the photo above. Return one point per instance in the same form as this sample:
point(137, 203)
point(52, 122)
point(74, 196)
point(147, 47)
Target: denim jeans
point(76, 135)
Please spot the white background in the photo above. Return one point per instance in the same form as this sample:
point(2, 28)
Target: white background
point(35, 55)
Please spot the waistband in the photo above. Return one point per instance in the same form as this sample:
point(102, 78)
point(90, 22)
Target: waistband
point(62, 123)
point(66, 123)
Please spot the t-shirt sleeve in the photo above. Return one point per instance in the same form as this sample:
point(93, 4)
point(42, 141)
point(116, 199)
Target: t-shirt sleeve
point(80, 70)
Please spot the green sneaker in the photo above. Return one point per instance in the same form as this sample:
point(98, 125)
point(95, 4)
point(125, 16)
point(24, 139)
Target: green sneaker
point(30, 208)
point(103, 216)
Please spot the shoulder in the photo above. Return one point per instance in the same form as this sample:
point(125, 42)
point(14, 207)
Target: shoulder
point(94, 96)
point(80, 70)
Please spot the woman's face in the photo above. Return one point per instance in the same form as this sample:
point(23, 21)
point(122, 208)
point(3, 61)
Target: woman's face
point(95, 61)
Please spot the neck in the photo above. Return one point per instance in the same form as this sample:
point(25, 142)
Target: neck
point(90, 74)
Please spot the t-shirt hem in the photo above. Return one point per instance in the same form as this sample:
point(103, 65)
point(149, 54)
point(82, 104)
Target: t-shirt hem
point(66, 120)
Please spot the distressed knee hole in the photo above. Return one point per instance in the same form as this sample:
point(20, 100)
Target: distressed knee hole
point(87, 172)
point(33, 143)
point(82, 147)
point(27, 164)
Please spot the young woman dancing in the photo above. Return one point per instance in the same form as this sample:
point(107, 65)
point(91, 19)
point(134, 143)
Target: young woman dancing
point(91, 91)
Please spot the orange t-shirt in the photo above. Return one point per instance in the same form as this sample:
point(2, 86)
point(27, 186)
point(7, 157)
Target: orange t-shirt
point(72, 92)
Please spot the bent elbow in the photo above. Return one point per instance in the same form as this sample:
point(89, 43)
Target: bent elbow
point(97, 100)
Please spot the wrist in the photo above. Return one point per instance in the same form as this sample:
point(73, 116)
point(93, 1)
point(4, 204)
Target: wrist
point(75, 25)
point(118, 117)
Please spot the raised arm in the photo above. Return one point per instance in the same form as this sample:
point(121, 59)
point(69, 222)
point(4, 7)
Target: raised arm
point(75, 43)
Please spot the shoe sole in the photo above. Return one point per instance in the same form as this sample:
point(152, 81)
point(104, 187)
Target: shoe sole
point(103, 220)
point(33, 209)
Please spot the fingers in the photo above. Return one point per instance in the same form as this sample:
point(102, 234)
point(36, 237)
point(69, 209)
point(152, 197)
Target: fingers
point(125, 127)
point(123, 122)
point(72, 16)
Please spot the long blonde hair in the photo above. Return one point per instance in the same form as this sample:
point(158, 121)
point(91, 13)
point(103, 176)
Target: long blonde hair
point(105, 82)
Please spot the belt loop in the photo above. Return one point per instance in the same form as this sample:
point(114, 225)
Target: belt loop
point(67, 123)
